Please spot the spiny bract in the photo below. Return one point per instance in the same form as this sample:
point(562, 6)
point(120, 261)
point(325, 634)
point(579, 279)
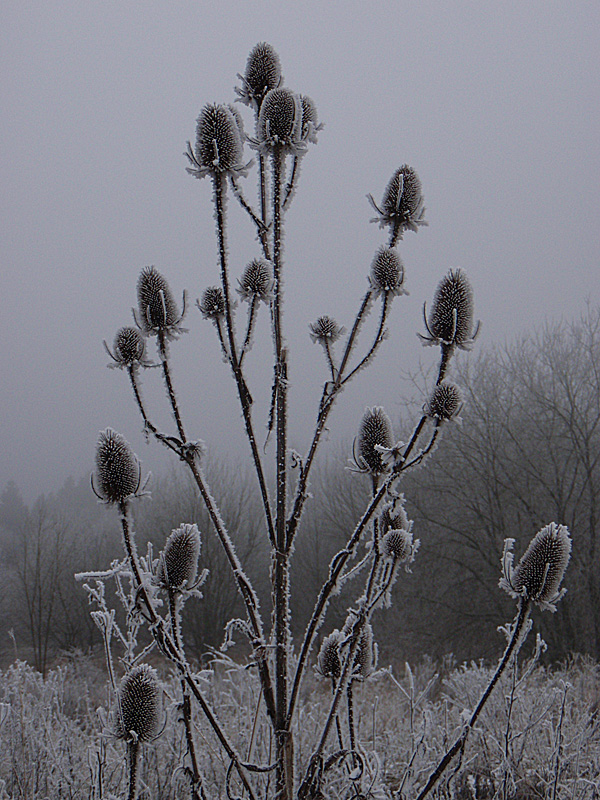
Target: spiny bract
point(328, 660)
point(129, 346)
point(325, 330)
point(280, 119)
point(138, 716)
point(212, 304)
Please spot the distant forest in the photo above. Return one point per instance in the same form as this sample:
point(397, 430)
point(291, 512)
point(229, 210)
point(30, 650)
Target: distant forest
point(527, 453)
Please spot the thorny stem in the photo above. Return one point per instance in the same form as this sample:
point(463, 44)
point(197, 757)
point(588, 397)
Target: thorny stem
point(250, 328)
point(132, 758)
point(261, 226)
point(379, 337)
point(162, 349)
point(511, 649)
point(291, 184)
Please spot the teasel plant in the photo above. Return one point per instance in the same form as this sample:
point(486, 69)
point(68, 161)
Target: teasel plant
point(154, 590)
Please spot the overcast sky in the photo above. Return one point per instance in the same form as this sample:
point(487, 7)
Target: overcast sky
point(495, 104)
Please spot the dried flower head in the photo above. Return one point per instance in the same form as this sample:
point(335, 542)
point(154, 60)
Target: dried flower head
point(325, 330)
point(178, 565)
point(329, 664)
point(393, 517)
point(128, 350)
point(450, 320)
point(310, 124)
point(263, 73)
point(445, 401)
point(375, 430)
point(280, 122)
point(402, 207)
point(218, 146)
point(365, 658)
point(157, 309)
point(118, 471)
point(387, 272)
point(398, 544)
point(539, 573)
point(257, 280)
point(212, 304)
point(138, 717)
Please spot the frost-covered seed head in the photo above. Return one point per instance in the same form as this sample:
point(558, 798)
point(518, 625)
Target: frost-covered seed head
point(451, 316)
point(539, 573)
point(212, 304)
point(402, 206)
point(257, 280)
point(310, 124)
point(328, 661)
point(280, 119)
point(157, 308)
point(178, 566)
point(365, 659)
point(325, 330)
point(445, 401)
point(139, 705)
point(387, 272)
point(128, 346)
point(393, 517)
point(398, 544)
point(263, 72)
point(117, 468)
point(375, 429)
point(218, 140)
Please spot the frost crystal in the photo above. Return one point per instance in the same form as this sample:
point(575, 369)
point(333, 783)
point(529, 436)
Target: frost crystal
point(445, 401)
point(375, 429)
point(451, 317)
point(138, 717)
point(398, 544)
point(263, 72)
point(539, 573)
point(117, 468)
point(387, 272)
point(178, 565)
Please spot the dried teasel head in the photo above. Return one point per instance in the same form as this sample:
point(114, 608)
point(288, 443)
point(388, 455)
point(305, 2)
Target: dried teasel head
point(280, 122)
point(212, 304)
point(445, 401)
point(375, 431)
point(393, 517)
point(157, 310)
point(329, 664)
point(178, 564)
point(387, 272)
point(402, 207)
point(138, 716)
point(118, 472)
point(263, 73)
point(128, 350)
point(310, 124)
point(257, 281)
point(218, 149)
point(325, 330)
point(398, 545)
point(538, 575)
point(450, 321)
point(365, 656)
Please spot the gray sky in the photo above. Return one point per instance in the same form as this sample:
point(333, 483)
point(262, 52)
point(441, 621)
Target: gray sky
point(494, 104)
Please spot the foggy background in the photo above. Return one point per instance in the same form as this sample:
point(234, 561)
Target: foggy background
point(495, 106)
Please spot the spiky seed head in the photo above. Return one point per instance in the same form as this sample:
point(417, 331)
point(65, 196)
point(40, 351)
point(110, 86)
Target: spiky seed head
point(138, 715)
point(178, 565)
point(375, 429)
point(128, 346)
point(387, 272)
point(398, 544)
point(329, 664)
point(212, 304)
point(539, 573)
point(257, 280)
point(117, 468)
point(365, 660)
point(451, 316)
point(263, 73)
point(156, 305)
point(218, 141)
point(445, 401)
point(310, 124)
point(403, 196)
point(325, 330)
point(280, 119)
point(393, 517)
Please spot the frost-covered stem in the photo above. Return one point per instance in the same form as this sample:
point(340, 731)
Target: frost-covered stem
point(511, 649)
point(250, 328)
point(222, 342)
point(136, 393)
point(379, 337)
point(423, 453)
point(447, 351)
point(394, 233)
point(261, 226)
point(327, 348)
point(132, 759)
point(162, 349)
point(351, 729)
point(364, 307)
point(280, 577)
point(291, 185)
point(220, 186)
point(197, 791)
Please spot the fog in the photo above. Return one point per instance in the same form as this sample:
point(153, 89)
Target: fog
point(495, 106)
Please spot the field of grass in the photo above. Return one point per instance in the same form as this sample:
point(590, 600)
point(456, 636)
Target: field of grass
point(539, 736)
